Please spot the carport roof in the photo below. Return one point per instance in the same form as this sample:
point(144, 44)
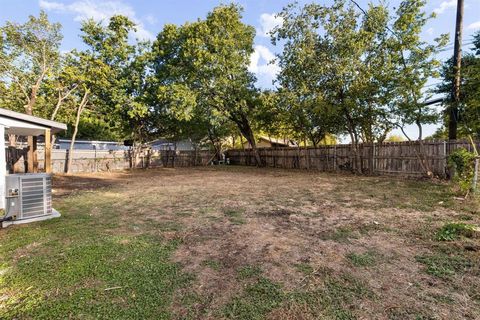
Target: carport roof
point(23, 124)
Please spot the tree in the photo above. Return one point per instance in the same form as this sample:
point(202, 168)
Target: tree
point(104, 77)
point(300, 99)
point(416, 63)
point(469, 106)
point(363, 69)
point(395, 138)
point(330, 69)
point(204, 65)
point(29, 53)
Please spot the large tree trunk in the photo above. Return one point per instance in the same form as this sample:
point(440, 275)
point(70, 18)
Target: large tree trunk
point(351, 128)
point(216, 145)
point(356, 153)
point(248, 134)
point(81, 106)
point(246, 130)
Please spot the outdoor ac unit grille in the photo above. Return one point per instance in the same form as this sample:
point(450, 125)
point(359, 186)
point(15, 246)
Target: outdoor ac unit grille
point(36, 196)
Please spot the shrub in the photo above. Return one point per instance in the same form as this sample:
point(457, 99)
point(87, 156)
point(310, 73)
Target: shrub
point(462, 163)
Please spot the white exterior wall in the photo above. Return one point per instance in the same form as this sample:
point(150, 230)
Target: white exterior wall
point(3, 166)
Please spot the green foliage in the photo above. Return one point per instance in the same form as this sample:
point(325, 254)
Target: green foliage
point(394, 138)
point(452, 231)
point(462, 163)
point(205, 65)
point(29, 55)
point(330, 79)
point(114, 73)
point(193, 81)
point(109, 73)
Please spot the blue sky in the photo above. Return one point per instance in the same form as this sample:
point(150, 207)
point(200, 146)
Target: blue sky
point(150, 16)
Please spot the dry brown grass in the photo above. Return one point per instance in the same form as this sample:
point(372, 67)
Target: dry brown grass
point(303, 231)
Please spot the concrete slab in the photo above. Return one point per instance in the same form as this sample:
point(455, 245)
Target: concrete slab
point(55, 214)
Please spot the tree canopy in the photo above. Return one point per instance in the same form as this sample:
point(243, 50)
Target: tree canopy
point(344, 70)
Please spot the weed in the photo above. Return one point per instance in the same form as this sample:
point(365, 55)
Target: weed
point(453, 231)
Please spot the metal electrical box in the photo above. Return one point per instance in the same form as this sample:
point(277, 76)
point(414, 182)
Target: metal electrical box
point(28, 195)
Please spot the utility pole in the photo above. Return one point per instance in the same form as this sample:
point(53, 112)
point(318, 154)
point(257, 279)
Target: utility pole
point(457, 64)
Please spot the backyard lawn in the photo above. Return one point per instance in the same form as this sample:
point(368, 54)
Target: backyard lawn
point(244, 243)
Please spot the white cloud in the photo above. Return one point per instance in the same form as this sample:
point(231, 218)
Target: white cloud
point(445, 5)
point(475, 25)
point(99, 11)
point(268, 21)
point(262, 64)
point(151, 19)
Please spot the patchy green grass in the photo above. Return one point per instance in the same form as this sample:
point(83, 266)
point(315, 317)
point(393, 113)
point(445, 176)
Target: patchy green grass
point(235, 216)
point(70, 267)
point(304, 268)
point(444, 265)
point(365, 259)
point(403, 194)
point(340, 234)
point(247, 272)
point(212, 264)
point(256, 301)
point(243, 243)
point(334, 297)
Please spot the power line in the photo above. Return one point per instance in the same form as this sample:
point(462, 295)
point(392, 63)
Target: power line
point(453, 47)
point(472, 38)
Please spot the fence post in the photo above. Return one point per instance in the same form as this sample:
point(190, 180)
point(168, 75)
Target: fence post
point(67, 155)
point(373, 159)
point(475, 175)
point(445, 159)
point(334, 158)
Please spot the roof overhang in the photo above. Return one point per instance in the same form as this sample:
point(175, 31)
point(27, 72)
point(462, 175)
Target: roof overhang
point(25, 125)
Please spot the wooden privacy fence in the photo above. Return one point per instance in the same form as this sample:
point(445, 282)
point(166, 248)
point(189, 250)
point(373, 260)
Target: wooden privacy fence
point(402, 158)
point(110, 160)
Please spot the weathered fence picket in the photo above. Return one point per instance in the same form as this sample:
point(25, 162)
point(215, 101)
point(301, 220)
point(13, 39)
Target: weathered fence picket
point(110, 160)
point(409, 158)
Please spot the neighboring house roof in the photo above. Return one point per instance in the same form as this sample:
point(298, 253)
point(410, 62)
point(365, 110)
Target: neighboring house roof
point(159, 141)
point(91, 141)
point(276, 141)
point(23, 124)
